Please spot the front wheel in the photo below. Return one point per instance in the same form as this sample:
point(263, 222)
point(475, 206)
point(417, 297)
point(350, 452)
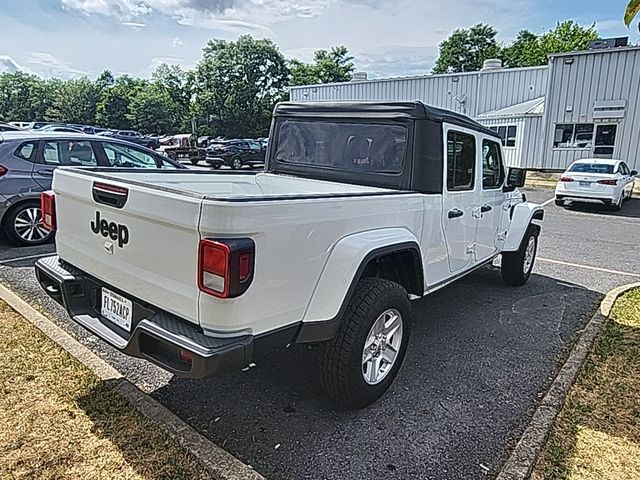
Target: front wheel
point(236, 163)
point(361, 362)
point(194, 161)
point(517, 266)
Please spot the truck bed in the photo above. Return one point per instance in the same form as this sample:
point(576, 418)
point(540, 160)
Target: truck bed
point(167, 213)
point(234, 186)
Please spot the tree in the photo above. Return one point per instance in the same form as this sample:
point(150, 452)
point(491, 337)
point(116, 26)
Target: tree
point(327, 67)
point(152, 110)
point(523, 52)
point(175, 82)
point(23, 97)
point(237, 84)
point(466, 49)
point(113, 106)
point(74, 101)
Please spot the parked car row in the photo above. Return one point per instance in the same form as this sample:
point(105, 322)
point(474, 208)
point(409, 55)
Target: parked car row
point(27, 162)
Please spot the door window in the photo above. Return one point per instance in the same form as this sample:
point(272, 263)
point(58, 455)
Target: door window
point(492, 170)
point(461, 161)
point(68, 153)
point(124, 156)
point(605, 140)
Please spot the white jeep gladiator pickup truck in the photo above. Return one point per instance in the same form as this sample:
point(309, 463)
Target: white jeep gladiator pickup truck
point(361, 207)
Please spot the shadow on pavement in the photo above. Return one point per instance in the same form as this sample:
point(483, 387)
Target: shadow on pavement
point(630, 208)
point(480, 357)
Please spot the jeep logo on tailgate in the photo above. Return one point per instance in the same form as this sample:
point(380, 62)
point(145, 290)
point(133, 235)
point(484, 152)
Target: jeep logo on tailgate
point(113, 230)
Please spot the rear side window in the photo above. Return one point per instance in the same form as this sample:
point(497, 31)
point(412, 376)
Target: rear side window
point(68, 153)
point(358, 147)
point(123, 156)
point(461, 161)
point(26, 150)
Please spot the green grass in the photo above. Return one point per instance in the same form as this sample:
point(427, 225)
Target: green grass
point(597, 434)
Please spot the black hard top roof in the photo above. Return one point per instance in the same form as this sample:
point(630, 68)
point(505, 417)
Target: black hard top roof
point(389, 110)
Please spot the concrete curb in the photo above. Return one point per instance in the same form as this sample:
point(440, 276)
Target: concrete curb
point(220, 464)
point(523, 458)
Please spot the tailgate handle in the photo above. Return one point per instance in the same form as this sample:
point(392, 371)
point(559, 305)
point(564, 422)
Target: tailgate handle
point(111, 195)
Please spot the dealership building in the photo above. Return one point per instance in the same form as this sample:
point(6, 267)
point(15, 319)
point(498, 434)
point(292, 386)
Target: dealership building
point(582, 104)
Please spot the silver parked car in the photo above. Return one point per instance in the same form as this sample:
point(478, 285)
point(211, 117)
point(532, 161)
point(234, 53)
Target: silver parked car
point(27, 162)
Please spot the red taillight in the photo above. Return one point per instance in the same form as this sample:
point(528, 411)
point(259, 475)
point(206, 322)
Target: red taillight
point(186, 356)
point(225, 267)
point(48, 207)
point(566, 179)
point(3, 170)
point(608, 182)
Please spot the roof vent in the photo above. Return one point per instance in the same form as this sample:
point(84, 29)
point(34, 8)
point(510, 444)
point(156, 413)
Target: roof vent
point(491, 64)
point(360, 77)
point(603, 43)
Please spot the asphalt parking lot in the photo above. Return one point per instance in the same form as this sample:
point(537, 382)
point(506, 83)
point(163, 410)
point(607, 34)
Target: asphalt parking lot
point(479, 359)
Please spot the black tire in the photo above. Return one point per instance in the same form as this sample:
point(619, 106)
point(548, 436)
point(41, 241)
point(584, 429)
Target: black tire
point(559, 203)
point(9, 225)
point(341, 366)
point(513, 263)
point(216, 166)
point(236, 163)
point(194, 161)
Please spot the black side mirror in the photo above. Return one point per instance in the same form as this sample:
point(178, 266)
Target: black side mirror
point(515, 179)
point(634, 173)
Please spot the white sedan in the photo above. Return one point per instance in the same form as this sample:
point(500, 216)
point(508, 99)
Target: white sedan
point(596, 179)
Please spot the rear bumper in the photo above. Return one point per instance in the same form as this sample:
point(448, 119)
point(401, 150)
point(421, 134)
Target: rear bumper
point(156, 335)
point(607, 194)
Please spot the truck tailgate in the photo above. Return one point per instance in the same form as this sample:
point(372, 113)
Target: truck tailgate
point(147, 247)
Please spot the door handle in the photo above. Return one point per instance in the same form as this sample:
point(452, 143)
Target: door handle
point(455, 213)
point(486, 208)
point(45, 173)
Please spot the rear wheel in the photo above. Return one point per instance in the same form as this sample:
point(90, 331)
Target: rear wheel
point(216, 166)
point(194, 161)
point(23, 225)
point(517, 266)
point(559, 203)
point(617, 205)
point(361, 362)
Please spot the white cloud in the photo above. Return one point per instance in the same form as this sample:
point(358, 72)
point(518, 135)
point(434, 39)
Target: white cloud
point(177, 42)
point(9, 65)
point(46, 65)
point(134, 25)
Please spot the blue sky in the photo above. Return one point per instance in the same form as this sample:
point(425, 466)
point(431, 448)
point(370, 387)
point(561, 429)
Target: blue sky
point(388, 37)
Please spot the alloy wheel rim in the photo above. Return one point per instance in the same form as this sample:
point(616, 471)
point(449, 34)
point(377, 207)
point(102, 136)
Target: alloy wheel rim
point(528, 254)
point(28, 225)
point(237, 163)
point(382, 347)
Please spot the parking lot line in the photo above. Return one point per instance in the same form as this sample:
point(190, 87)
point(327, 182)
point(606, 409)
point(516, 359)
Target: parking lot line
point(547, 202)
point(28, 257)
point(588, 267)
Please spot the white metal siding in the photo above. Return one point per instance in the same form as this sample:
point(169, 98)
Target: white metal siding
point(597, 76)
point(484, 91)
point(527, 148)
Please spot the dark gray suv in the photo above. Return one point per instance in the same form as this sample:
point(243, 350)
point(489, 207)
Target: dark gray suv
point(27, 162)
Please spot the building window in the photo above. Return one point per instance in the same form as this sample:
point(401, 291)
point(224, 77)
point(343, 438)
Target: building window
point(507, 134)
point(573, 135)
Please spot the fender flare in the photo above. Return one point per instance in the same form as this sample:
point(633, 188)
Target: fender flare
point(522, 215)
point(343, 270)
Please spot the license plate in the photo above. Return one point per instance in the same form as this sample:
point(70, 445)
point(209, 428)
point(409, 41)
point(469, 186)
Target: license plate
point(585, 184)
point(117, 309)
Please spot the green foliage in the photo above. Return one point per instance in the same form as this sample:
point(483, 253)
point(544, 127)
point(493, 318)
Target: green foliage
point(24, 97)
point(74, 101)
point(153, 110)
point(331, 66)
point(237, 84)
point(466, 49)
point(113, 107)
